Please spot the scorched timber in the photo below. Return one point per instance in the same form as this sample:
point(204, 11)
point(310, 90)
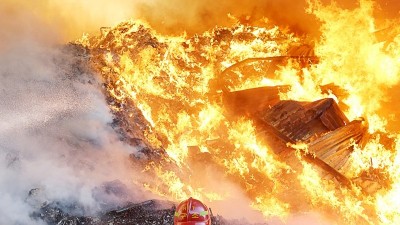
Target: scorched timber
point(335, 147)
point(320, 124)
point(151, 212)
point(300, 121)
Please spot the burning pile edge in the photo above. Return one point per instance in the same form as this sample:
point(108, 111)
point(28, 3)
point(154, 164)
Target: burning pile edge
point(150, 212)
point(321, 124)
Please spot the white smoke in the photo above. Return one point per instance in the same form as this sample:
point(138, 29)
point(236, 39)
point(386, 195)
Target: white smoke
point(55, 133)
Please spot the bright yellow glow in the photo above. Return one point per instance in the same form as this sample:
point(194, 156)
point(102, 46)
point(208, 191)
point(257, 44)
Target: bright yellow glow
point(176, 83)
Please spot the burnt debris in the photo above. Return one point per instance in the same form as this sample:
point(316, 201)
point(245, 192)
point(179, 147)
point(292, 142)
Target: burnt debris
point(151, 212)
point(321, 125)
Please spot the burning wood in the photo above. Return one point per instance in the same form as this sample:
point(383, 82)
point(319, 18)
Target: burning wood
point(151, 212)
point(273, 121)
point(335, 146)
point(300, 121)
point(320, 124)
point(254, 104)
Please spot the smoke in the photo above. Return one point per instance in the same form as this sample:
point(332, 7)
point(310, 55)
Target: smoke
point(55, 133)
point(72, 18)
point(55, 139)
point(197, 16)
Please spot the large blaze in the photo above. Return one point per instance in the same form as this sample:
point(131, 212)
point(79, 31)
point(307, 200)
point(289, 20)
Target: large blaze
point(182, 86)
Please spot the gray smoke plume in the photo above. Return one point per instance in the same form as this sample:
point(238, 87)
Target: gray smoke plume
point(56, 142)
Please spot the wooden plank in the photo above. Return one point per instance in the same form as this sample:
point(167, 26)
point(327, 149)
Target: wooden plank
point(321, 124)
point(333, 117)
point(300, 121)
point(335, 147)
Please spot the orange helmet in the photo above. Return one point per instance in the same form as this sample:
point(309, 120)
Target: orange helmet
point(192, 212)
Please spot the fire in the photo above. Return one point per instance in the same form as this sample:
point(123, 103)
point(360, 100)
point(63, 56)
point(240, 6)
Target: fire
point(178, 84)
point(385, 201)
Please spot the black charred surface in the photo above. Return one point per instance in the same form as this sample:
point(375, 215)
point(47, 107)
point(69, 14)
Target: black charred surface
point(55, 214)
point(150, 212)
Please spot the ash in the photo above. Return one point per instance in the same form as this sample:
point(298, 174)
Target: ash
point(151, 212)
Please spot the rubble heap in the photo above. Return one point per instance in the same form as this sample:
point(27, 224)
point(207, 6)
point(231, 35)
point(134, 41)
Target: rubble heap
point(180, 100)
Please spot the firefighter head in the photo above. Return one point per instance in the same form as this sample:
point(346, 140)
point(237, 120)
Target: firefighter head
point(192, 212)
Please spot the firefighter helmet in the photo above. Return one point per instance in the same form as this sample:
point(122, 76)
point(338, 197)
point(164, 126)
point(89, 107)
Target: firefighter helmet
point(192, 212)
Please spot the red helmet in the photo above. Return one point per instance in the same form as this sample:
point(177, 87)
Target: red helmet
point(192, 212)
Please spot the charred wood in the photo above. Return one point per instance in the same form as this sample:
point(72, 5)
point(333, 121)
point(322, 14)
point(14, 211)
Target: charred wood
point(335, 147)
point(320, 124)
point(300, 121)
point(152, 212)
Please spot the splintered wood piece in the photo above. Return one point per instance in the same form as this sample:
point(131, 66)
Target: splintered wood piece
point(328, 168)
point(333, 117)
point(335, 147)
point(299, 121)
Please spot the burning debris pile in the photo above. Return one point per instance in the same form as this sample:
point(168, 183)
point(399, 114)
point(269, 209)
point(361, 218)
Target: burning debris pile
point(254, 106)
point(146, 213)
point(294, 124)
point(151, 212)
point(259, 122)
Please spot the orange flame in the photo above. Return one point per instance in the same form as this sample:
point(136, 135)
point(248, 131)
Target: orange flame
point(176, 82)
